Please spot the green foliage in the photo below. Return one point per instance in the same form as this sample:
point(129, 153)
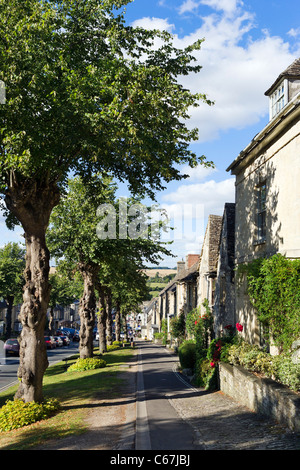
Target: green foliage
point(12, 265)
point(16, 414)
point(89, 363)
point(164, 330)
point(187, 354)
point(274, 290)
point(158, 335)
point(112, 347)
point(177, 326)
point(77, 68)
point(280, 368)
point(200, 326)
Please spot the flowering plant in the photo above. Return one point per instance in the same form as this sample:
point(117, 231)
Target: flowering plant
point(239, 327)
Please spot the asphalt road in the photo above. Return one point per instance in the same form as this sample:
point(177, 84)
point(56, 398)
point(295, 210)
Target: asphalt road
point(9, 365)
point(159, 427)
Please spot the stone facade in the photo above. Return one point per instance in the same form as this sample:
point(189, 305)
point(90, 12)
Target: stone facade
point(208, 262)
point(267, 219)
point(264, 396)
point(224, 299)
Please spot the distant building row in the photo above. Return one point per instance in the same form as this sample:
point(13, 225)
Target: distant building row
point(264, 220)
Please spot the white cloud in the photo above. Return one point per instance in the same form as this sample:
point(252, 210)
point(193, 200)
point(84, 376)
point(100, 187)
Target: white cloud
point(228, 6)
point(188, 6)
point(199, 173)
point(294, 33)
point(211, 194)
point(188, 209)
point(161, 24)
point(236, 69)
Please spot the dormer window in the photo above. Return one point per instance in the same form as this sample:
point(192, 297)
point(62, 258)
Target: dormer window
point(278, 99)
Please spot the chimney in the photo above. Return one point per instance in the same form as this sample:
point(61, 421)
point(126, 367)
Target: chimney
point(191, 260)
point(180, 266)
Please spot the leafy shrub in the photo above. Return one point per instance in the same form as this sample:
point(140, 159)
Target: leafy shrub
point(280, 368)
point(177, 326)
point(274, 290)
point(286, 372)
point(16, 414)
point(187, 354)
point(158, 335)
point(112, 347)
point(117, 343)
point(88, 363)
point(206, 374)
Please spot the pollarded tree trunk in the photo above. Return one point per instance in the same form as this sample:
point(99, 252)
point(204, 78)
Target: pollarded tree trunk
point(102, 320)
point(118, 322)
point(87, 308)
point(32, 203)
point(109, 321)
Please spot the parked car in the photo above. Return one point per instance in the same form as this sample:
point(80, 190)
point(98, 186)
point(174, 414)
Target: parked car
point(59, 341)
point(76, 337)
point(12, 347)
point(66, 340)
point(50, 342)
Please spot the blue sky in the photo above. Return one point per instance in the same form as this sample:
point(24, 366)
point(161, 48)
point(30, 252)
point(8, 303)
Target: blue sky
point(247, 45)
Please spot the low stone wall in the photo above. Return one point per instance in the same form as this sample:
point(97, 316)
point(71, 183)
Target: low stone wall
point(264, 396)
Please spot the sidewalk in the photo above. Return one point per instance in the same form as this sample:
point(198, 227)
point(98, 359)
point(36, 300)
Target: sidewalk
point(218, 421)
point(221, 423)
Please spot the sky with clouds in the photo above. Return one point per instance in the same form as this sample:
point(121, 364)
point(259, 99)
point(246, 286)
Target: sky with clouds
point(247, 45)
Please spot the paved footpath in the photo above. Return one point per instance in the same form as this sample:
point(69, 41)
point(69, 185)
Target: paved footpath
point(220, 423)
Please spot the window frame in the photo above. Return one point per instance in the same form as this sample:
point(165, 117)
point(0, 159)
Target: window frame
point(278, 100)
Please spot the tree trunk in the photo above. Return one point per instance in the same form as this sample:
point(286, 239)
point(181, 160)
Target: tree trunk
point(109, 319)
point(87, 309)
point(32, 202)
point(118, 322)
point(102, 321)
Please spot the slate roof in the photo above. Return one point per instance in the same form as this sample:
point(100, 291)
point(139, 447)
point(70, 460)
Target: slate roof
point(292, 72)
point(183, 275)
point(212, 238)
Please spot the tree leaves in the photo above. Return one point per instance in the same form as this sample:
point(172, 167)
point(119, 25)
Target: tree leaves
point(87, 93)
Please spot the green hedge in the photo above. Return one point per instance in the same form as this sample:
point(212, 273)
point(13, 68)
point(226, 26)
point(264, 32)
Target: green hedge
point(187, 354)
point(16, 414)
point(89, 363)
point(280, 368)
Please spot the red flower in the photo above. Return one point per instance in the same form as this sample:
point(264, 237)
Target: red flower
point(196, 322)
point(212, 364)
point(239, 327)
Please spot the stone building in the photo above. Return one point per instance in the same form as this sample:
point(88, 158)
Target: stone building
point(180, 294)
point(224, 298)
point(267, 172)
point(208, 262)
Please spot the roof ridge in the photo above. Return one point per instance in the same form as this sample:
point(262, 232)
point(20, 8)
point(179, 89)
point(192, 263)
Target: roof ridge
point(293, 70)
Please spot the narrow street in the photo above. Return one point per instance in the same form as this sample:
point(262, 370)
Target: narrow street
point(172, 415)
point(158, 424)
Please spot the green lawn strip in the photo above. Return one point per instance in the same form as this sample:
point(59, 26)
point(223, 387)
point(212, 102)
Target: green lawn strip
point(75, 391)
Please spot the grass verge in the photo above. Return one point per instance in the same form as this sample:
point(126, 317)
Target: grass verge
point(75, 390)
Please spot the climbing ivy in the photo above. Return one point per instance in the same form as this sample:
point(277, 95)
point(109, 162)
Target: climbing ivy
point(274, 291)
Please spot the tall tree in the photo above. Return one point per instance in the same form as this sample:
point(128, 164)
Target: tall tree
point(84, 93)
point(103, 262)
point(12, 263)
point(65, 288)
point(72, 235)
